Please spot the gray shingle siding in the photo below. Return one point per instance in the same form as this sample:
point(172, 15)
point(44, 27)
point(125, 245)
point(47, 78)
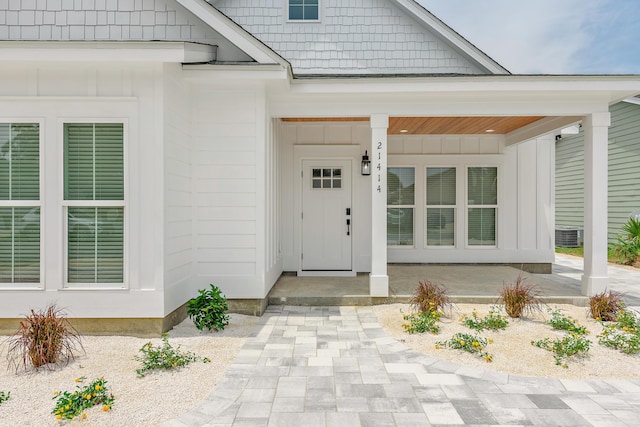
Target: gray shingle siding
point(624, 171)
point(351, 37)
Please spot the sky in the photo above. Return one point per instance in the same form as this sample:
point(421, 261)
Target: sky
point(549, 36)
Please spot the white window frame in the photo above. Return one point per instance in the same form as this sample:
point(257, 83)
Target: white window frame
point(454, 206)
point(413, 207)
point(94, 203)
point(31, 203)
point(468, 206)
point(293, 21)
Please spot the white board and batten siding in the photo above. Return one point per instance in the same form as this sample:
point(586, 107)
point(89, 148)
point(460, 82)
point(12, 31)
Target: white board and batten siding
point(53, 94)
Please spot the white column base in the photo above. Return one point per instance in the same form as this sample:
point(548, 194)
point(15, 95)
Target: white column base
point(378, 285)
point(592, 285)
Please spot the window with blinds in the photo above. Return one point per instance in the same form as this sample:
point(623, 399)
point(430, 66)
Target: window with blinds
point(19, 203)
point(441, 206)
point(482, 205)
point(94, 199)
point(400, 205)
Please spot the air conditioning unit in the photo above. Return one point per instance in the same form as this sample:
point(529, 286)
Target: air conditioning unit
point(569, 237)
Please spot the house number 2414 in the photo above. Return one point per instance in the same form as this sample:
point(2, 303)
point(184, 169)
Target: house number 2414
point(378, 165)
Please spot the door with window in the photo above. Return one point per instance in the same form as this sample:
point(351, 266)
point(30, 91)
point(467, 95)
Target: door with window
point(326, 215)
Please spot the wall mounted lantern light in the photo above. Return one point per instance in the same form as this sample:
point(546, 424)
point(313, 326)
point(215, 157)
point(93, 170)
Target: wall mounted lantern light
point(365, 167)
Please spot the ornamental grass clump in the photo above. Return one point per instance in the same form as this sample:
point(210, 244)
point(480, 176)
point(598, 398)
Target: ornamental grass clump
point(164, 357)
point(605, 305)
point(473, 344)
point(430, 297)
point(72, 404)
point(493, 321)
point(44, 338)
point(623, 334)
point(520, 298)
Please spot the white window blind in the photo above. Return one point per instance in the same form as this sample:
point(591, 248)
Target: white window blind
point(400, 205)
point(441, 206)
point(482, 205)
point(94, 171)
point(19, 203)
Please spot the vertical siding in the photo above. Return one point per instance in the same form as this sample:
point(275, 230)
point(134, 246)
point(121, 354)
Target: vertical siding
point(624, 171)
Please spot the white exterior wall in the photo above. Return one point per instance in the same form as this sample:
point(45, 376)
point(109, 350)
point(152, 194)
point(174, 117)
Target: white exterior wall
point(525, 222)
point(230, 134)
point(56, 93)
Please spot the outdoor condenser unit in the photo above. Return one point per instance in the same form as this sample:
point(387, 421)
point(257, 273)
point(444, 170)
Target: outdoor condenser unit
point(569, 237)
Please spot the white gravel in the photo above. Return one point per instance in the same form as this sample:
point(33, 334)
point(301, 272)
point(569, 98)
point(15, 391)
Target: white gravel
point(147, 401)
point(511, 349)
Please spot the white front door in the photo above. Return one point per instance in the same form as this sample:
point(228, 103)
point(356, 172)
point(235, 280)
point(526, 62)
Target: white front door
point(326, 215)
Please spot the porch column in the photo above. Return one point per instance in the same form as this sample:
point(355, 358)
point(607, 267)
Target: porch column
point(596, 145)
point(379, 280)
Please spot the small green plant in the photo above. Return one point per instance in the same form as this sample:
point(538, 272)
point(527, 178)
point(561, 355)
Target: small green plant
point(470, 343)
point(605, 305)
point(44, 338)
point(430, 297)
point(623, 334)
point(520, 298)
point(565, 347)
point(164, 357)
point(418, 323)
point(208, 310)
point(565, 323)
point(493, 321)
point(4, 396)
point(627, 247)
point(72, 404)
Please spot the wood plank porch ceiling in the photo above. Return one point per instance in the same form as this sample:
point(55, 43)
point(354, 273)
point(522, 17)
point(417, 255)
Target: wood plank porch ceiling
point(439, 125)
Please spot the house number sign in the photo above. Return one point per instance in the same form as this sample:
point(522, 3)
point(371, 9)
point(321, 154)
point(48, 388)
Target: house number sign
point(378, 166)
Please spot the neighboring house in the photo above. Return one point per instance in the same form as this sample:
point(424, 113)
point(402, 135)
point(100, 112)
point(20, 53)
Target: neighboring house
point(152, 147)
point(623, 177)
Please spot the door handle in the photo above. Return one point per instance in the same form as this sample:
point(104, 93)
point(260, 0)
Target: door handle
point(348, 226)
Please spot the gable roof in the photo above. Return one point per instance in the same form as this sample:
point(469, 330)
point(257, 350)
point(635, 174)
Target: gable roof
point(370, 37)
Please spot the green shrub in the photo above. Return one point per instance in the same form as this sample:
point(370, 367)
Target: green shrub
point(466, 342)
point(627, 247)
point(563, 348)
point(208, 310)
point(493, 321)
point(430, 297)
point(520, 298)
point(419, 323)
point(44, 338)
point(561, 322)
point(71, 404)
point(605, 305)
point(623, 334)
point(164, 357)
point(4, 396)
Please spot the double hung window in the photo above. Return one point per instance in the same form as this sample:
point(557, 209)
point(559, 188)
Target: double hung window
point(19, 203)
point(400, 206)
point(482, 205)
point(441, 206)
point(303, 10)
point(94, 202)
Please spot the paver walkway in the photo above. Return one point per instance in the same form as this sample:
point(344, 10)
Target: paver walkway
point(335, 366)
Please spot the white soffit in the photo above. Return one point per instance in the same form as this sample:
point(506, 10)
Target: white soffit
point(233, 32)
point(109, 51)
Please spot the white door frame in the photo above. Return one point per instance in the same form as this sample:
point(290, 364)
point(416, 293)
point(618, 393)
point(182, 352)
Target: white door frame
point(322, 152)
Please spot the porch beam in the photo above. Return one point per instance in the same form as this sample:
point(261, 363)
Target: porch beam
point(596, 144)
point(540, 127)
point(379, 279)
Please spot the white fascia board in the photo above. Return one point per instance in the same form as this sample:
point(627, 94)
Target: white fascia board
point(633, 100)
point(232, 32)
point(456, 40)
point(235, 71)
point(540, 127)
point(107, 51)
